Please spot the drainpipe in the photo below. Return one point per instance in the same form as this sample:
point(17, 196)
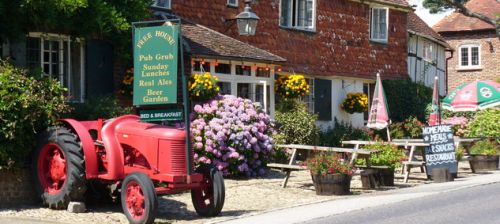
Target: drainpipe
point(446, 73)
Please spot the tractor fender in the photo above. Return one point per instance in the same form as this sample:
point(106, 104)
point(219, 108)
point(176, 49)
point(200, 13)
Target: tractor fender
point(113, 148)
point(89, 153)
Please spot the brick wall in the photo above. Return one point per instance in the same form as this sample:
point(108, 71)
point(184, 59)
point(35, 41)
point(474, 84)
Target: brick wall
point(16, 188)
point(490, 57)
point(340, 46)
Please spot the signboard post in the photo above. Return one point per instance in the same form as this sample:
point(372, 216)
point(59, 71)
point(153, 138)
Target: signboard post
point(441, 152)
point(155, 64)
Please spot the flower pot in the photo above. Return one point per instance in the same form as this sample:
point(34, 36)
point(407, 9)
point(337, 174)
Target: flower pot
point(332, 184)
point(483, 163)
point(376, 177)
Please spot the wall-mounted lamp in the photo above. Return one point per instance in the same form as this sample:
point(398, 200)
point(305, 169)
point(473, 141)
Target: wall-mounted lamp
point(246, 20)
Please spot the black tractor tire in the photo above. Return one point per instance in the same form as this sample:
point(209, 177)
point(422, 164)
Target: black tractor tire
point(208, 200)
point(70, 152)
point(138, 198)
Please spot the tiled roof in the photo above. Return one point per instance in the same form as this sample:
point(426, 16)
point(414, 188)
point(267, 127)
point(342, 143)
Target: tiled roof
point(207, 42)
point(458, 22)
point(418, 26)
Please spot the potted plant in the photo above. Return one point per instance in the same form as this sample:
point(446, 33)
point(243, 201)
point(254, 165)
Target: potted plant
point(484, 155)
point(331, 175)
point(383, 163)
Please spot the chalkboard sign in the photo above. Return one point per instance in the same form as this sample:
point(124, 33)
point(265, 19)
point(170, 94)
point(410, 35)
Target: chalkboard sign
point(441, 152)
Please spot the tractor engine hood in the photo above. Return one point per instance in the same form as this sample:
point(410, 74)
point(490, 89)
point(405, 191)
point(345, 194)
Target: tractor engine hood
point(139, 128)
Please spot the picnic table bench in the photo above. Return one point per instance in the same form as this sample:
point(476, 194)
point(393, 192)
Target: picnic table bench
point(293, 166)
point(408, 144)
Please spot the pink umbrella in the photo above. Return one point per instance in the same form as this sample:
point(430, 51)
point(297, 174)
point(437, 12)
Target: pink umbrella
point(379, 115)
point(435, 116)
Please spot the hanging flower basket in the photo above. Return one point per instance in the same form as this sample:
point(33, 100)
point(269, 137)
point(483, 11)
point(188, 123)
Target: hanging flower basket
point(127, 82)
point(203, 87)
point(355, 103)
point(291, 86)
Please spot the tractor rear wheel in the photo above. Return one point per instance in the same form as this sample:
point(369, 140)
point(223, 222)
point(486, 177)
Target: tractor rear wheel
point(58, 168)
point(138, 197)
point(208, 200)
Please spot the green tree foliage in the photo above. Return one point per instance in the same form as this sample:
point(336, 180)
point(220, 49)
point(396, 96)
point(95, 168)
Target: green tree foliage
point(105, 19)
point(27, 106)
point(99, 107)
point(406, 98)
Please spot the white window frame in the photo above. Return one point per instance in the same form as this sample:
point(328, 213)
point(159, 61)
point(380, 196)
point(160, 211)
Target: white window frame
point(308, 99)
point(167, 5)
point(60, 39)
point(469, 56)
point(428, 51)
point(253, 80)
point(291, 19)
point(232, 3)
point(372, 21)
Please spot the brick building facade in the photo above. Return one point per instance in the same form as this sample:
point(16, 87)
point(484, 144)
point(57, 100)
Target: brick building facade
point(476, 46)
point(335, 49)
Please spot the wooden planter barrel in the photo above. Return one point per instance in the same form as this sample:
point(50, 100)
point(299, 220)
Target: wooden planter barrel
point(377, 177)
point(332, 184)
point(483, 163)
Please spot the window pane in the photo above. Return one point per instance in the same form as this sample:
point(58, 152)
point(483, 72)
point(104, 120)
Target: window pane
point(309, 13)
point(33, 52)
point(475, 55)
point(464, 56)
point(223, 68)
point(243, 90)
point(382, 24)
point(285, 12)
point(204, 65)
point(263, 72)
point(243, 70)
point(225, 88)
point(375, 28)
point(259, 96)
point(301, 13)
point(46, 68)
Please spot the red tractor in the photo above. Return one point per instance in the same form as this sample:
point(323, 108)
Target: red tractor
point(145, 159)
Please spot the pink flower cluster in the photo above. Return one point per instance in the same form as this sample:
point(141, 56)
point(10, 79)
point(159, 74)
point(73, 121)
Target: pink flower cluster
point(233, 134)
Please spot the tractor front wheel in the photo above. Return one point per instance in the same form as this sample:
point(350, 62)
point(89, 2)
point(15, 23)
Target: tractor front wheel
point(138, 198)
point(58, 168)
point(208, 199)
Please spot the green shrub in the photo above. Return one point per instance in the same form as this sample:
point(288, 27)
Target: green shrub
point(27, 105)
point(406, 98)
point(387, 155)
point(485, 147)
point(100, 107)
point(296, 123)
point(409, 128)
point(341, 132)
point(486, 123)
point(459, 153)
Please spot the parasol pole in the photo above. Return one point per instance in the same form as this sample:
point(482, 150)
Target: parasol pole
point(388, 132)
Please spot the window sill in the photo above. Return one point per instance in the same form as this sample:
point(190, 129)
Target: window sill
point(477, 68)
point(232, 6)
point(311, 31)
point(379, 42)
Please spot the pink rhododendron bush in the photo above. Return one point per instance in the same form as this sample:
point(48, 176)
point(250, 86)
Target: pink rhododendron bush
point(233, 134)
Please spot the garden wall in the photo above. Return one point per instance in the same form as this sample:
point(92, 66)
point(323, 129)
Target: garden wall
point(16, 188)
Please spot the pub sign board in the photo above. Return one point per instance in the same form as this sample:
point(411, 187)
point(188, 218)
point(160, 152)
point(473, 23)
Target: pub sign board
point(155, 64)
point(441, 152)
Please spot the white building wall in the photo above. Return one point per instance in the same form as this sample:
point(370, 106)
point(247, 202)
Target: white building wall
point(340, 88)
point(421, 70)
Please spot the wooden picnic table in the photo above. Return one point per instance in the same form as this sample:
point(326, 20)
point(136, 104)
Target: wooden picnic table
point(408, 144)
point(292, 166)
